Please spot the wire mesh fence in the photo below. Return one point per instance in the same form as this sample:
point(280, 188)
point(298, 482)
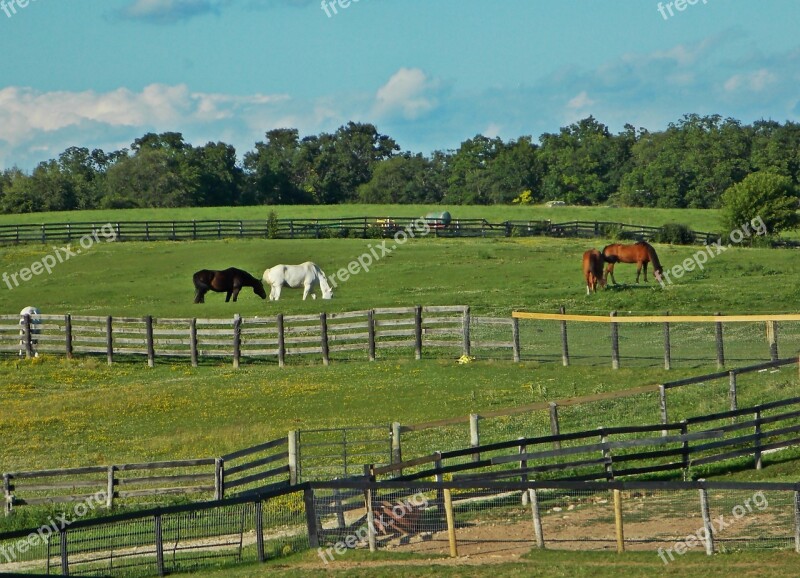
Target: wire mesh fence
point(476, 519)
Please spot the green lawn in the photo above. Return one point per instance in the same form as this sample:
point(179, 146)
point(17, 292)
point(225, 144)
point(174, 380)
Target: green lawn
point(545, 564)
point(698, 219)
point(59, 413)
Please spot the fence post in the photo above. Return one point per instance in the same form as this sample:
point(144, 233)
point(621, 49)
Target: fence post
point(523, 465)
point(667, 345)
point(9, 499)
point(323, 338)
point(554, 428)
point(219, 479)
point(281, 341)
point(371, 538)
point(64, 553)
point(397, 454)
point(68, 334)
point(109, 340)
point(159, 544)
point(537, 518)
point(451, 525)
point(618, 521)
point(606, 453)
point(772, 337)
point(237, 339)
point(371, 333)
point(193, 340)
point(707, 522)
point(467, 349)
point(311, 518)
point(439, 479)
point(564, 344)
point(474, 435)
point(614, 343)
point(515, 339)
point(337, 507)
point(757, 439)
point(110, 487)
point(151, 350)
point(685, 449)
point(294, 457)
point(732, 391)
point(259, 528)
point(418, 332)
point(720, 344)
point(797, 521)
point(26, 324)
point(662, 402)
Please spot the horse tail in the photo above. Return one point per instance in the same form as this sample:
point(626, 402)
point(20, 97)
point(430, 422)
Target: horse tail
point(651, 252)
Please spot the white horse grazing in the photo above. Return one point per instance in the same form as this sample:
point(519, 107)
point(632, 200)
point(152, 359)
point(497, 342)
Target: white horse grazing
point(306, 274)
point(33, 313)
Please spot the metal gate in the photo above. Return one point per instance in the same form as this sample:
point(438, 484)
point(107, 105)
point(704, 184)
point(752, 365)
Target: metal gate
point(325, 454)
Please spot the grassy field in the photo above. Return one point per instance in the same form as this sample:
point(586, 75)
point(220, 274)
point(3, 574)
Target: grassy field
point(494, 276)
point(59, 413)
point(544, 564)
point(698, 219)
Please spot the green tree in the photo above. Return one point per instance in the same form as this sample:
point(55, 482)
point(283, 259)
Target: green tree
point(769, 196)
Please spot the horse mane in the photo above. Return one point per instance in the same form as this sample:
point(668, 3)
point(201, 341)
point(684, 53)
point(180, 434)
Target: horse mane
point(651, 252)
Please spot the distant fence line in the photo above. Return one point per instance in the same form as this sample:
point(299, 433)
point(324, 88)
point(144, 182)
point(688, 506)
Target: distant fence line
point(324, 228)
point(454, 518)
point(323, 454)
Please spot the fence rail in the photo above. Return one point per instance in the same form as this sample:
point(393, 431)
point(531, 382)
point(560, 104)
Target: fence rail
point(479, 519)
point(621, 450)
point(320, 228)
point(414, 329)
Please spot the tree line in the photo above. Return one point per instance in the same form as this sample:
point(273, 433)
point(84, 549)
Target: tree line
point(689, 164)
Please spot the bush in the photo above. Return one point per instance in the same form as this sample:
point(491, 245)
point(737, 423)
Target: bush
point(675, 234)
point(272, 225)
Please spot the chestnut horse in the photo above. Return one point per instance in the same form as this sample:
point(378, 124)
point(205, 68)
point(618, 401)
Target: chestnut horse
point(593, 270)
point(640, 253)
point(229, 281)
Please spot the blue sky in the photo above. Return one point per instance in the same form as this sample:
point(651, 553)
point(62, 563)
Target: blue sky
point(430, 73)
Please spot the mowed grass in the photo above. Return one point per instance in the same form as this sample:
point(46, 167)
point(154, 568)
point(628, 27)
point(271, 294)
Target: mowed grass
point(536, 564)
point(706, 220)
point(493, 276)
point(59, 413)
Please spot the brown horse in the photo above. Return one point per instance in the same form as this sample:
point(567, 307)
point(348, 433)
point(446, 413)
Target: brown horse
point(229, 281)
point(593, 270)
point(640, 253)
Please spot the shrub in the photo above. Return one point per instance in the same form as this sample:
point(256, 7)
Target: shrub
point(675, 234)
point(272, 225)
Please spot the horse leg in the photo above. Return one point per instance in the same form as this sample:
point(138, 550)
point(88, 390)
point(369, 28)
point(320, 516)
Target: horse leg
point(610, 271)
point(235, 293)
point(199, 296)
point(644, 267)
point(228, 296)
point(306, 290)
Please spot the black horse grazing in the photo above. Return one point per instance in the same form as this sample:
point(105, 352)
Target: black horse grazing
point(229, 281)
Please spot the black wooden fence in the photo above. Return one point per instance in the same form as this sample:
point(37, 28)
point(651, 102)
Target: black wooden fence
point(349, 227)
point(438, 518)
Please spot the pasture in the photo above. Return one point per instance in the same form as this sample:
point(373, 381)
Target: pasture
point(59, 413)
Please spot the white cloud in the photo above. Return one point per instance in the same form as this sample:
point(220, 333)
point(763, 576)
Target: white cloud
point(753, 81)
point(409, 93)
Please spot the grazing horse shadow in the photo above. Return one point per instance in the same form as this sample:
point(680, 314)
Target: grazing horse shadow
point(229, 281)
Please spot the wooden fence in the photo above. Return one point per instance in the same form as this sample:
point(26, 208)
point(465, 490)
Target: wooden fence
point(269, 466)
point(608, 458)
point(361, 227)
point(649, 337)
point(326, 334)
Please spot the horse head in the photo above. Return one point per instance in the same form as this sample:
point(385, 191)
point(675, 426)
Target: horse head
point(258, 287)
